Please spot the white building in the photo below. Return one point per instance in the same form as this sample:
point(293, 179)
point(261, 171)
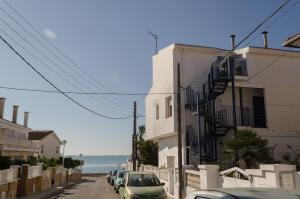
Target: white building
point(49, 142)
point(267, 95)
point(14, 141)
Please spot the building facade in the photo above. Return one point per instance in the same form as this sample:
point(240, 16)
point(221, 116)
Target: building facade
point(14, 137)
point(266, 100)
point(49, 143)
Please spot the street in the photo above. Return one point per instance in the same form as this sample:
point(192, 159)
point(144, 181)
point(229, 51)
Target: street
point(90, 188)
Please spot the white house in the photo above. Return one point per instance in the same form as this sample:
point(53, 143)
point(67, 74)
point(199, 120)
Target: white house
point(14, 141)
point(49, 142)
point(267, 99)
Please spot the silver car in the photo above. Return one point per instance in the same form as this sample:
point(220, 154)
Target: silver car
point(245, 193)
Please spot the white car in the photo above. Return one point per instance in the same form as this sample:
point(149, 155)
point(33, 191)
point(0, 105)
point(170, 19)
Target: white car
point(245, 193)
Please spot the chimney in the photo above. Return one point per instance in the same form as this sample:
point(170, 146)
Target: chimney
point(232, 41)
point(15, 114)
point(26, 119)
point(2, 105)
point(265, 33)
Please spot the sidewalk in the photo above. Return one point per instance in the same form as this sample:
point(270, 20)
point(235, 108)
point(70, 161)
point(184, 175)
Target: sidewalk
point(49, 192)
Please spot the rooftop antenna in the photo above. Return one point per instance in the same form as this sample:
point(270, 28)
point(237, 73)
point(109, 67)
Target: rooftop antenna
point(156, 39)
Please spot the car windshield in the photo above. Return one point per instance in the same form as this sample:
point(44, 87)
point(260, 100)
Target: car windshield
point(115, 173)
point(142, 180)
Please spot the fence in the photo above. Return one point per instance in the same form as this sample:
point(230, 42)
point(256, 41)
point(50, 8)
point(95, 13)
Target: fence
point(8, 183)
point(8, 175)
point(209, 177)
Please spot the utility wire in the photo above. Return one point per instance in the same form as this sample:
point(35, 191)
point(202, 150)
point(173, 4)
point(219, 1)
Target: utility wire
point(90, 77)
point(58, 89)
point(50, 60)
point(245, 38)
point(275, 21)
point(81, 93)
point(44, 64)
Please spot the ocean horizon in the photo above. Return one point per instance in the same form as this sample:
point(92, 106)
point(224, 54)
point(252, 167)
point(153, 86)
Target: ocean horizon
point(101, 163)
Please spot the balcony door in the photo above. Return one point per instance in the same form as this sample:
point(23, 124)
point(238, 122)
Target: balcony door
point(259, 112)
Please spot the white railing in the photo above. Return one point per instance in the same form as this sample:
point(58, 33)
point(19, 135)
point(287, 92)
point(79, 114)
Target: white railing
point(34, 171)
point(8, 175)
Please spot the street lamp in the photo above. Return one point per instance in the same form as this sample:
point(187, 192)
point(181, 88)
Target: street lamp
point(80, 158)
point(64, 142)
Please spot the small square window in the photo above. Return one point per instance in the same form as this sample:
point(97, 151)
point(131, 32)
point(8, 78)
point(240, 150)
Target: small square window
point(157, 111)
point(169, 107)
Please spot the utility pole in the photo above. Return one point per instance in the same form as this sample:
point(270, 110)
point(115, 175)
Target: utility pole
point(232, 68)
point(134, 139)
point(180, 172)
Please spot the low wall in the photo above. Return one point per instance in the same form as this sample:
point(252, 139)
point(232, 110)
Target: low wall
point(8, 183)
point(209, 177)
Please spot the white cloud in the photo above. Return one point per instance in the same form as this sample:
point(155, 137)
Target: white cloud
point(49, 34)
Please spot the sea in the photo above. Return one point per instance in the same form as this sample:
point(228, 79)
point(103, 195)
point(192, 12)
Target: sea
point(101, 163)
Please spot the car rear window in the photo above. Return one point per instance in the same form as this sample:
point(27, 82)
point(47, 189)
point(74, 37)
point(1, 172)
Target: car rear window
point(143, 180)
point(115, 173)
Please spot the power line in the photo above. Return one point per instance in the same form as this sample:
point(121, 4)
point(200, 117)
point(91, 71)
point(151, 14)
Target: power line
point(58, 89)
point(81, 93)
point(90, 77)
point(46, 65)
point(56, 65)
point(245, 38)
point(275, 21)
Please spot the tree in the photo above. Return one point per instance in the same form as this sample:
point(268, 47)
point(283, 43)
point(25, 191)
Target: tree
point(148, 152)
point(248, 146)
point(141, 132)
point(147, 149)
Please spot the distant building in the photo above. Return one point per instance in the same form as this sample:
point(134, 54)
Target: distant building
point(14, 141)
point(267, 100)
point(293, 41)
point(49, 143)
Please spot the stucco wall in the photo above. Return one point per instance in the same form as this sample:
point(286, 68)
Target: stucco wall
point(50, 144)
point(167, 147)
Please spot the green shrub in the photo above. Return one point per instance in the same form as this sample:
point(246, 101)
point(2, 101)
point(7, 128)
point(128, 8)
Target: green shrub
point(4, 162)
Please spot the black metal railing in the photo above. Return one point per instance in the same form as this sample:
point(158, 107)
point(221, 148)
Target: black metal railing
point(240, 66)
point(245, 116)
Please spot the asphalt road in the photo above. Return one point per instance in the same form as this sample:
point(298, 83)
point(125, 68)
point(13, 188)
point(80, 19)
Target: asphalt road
point(90, 188)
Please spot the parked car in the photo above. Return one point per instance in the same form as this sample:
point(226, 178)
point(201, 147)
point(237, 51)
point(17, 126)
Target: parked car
point(119, 180)
point(142, 185)
point(112, 177)
point(108, 176)
point(245, 193)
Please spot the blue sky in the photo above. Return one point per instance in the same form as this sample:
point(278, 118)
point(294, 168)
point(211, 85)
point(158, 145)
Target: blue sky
point(108, 39)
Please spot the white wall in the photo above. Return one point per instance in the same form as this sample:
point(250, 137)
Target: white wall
point(50, 144)
point(193, 60)
point(167, 147)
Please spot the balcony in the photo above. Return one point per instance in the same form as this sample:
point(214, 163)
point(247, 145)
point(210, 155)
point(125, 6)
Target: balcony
point(221, 69)
point(14, 141)
point(244, 117)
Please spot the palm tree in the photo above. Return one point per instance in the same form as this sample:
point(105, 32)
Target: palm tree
point(250, 147)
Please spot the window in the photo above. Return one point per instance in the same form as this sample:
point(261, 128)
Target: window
point(170, 162)
point(57, 149)
point(42, 151)
point(169, 107)
point(157, 111)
